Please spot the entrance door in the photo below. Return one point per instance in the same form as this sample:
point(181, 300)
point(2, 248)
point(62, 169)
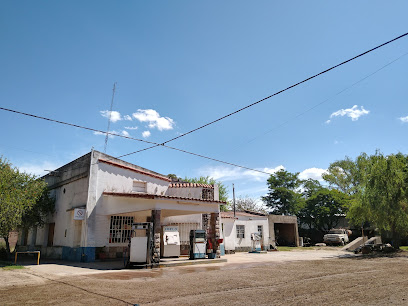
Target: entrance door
point(51, 227)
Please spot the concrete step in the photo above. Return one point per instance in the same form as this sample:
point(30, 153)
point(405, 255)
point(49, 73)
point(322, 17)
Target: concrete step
point(360, 241)
point(353, 245)
point(374, 240)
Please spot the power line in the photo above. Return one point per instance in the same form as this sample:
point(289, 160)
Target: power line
point(128, 137)
point(268, 97)
point(328, 99)
point(76, 125)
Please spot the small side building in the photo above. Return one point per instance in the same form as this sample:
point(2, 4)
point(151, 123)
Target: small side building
point(283, 230)
point(236, 231)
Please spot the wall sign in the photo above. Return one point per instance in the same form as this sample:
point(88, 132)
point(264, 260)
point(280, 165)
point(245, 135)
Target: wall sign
point(79, 214)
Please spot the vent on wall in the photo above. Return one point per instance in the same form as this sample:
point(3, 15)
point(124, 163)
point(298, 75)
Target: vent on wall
point(139, 186)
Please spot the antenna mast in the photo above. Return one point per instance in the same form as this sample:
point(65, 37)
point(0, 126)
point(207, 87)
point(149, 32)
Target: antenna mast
point(109, 118)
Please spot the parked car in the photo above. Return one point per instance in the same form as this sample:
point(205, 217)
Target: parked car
point(337, 236)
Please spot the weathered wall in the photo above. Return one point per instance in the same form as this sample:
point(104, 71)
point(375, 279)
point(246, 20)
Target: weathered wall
point(192, 192)
point(69, 196)
point(195, 218)
point(110, 178)
point(289, 226)
point(186, 192)
point(69, 186)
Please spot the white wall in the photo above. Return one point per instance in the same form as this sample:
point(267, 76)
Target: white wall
point(186, 192)
point(75, 195)
point(110, 178)
point(195, 218)
point(229, 233)
point(192, 192)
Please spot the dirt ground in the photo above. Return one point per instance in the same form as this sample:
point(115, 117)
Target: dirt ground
point(251, 279)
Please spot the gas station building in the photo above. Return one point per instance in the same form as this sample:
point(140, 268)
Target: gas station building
point(99, 197)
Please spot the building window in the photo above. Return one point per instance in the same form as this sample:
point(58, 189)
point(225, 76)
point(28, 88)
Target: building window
point(139, 186)
point(207, 194)
point(240, 231)
point(260, 230)
point(120, 229)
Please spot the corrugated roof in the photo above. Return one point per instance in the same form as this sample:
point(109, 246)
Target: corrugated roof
point(155, 196)
point(189, 185)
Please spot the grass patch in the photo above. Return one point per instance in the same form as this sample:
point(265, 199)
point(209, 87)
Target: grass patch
point(311, 248)
point(6, 265)
point(404, 248)
point(286, 248)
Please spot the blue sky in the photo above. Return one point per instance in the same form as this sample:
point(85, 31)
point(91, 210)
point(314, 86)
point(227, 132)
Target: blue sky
point(181, 64)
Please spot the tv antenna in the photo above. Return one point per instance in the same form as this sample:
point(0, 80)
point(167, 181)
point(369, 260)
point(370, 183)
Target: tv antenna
point(109, 117)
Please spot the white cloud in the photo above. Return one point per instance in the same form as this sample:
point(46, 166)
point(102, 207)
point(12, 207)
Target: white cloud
point(404, 119)
point(125, 133)
point(131, 127)
point(313, 173)
point(146, 134)
point(38, 169)
point(110, 136)
point(114, 115)
point(223, 173)
point(127, 117)
point(230, 174)
point(354, 113)
point(154, 119)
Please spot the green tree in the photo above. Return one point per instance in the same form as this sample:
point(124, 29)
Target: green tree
point(382, 196)
point(310, 187)
point(23, 198)
point(346, 175)
point(323, 208)
point(223, 190)
point(283, 196)
point(172, 176)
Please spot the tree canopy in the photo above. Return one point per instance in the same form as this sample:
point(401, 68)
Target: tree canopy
point(248, 203)
point(324, 208)
point(24, 200)
point(223, 190)
point(382, 196)
point(283, 196)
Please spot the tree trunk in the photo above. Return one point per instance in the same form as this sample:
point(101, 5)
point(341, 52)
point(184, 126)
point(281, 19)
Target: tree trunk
point(6, 238)
point(396, 240)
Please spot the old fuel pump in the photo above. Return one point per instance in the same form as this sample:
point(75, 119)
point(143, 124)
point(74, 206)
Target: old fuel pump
point(170, 242)
point(140, 244)
point(198, 244)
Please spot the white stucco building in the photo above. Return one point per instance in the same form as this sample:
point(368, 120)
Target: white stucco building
point(112, 194)
point(236, 231)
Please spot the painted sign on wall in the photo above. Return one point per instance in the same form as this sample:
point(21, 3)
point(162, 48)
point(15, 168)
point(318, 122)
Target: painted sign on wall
point(79, 214)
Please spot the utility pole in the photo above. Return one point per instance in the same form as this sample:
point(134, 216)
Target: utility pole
point(109, 118)
point(233, 197)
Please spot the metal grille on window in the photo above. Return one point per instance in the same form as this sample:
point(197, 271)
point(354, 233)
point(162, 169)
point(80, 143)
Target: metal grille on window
point(207, 194)
point(240, 231)
point(120, 229)
point(260, 230)
point(184, 230)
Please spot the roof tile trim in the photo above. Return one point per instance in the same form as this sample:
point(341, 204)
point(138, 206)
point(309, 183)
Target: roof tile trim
point(186, 185)
point(230, 214)
point(134, 169)
point(156, 196)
